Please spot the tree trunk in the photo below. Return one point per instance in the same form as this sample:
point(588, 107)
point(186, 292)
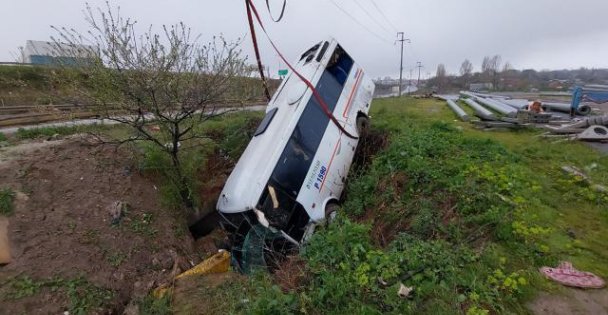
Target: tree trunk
point(182, 181)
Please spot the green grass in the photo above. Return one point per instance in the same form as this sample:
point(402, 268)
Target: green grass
point(463, 216)
point(83, 297)
point(3, 137)
point(46, 132)
point(153, 306)
point(115, 258)
point(7, 197)
point(143, 225)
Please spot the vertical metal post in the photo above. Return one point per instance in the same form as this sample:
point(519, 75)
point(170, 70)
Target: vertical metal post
point(419, 65)
point(410, 83)
point(402, 40)
point(401, 66)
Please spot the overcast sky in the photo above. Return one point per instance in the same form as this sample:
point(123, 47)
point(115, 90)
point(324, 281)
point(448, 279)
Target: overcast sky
point(539, 34)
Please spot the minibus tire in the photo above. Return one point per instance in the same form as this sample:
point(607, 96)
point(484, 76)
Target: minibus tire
point(330, 212)
point(362, 125)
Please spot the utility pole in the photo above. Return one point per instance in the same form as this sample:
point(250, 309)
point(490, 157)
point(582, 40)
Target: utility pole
point(419, 66)
point(402, 40)
point(410, 83)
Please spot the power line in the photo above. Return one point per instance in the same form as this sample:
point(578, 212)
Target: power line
point(384, 15)
point(372, 17)
point(360, 24)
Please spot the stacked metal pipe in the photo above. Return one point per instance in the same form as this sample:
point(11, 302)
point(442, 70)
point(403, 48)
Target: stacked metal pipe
point(479, 110)
point(458, 111)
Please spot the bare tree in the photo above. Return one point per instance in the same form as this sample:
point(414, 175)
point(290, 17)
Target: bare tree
point(163, 86)
point(485, 65)
point(441, 72)
point(441, 76)
point(466, 69)
point(495, 68)
point(490, 69)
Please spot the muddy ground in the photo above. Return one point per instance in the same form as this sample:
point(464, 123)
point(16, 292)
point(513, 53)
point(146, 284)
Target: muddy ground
point(65, 226)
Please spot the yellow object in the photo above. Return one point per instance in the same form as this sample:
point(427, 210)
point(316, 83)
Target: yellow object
point(160, 292)
point(218, 263)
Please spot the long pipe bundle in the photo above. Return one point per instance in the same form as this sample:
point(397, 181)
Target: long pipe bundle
point(516, 103)
point(493, 104)
point(497, 106)
point(480, 110)
point(583, 110)
point(458, 111)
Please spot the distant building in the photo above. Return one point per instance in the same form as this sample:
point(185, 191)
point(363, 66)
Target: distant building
point(390, 87)
point(476, 87)
point(49, 53)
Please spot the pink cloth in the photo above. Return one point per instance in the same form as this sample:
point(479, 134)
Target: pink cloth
point(567, 275)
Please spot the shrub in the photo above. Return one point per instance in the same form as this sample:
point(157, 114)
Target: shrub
point(7, 196)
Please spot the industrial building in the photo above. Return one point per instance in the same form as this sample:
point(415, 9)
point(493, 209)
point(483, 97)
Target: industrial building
point(50, 53)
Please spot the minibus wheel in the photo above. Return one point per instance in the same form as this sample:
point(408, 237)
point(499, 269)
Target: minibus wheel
point(331, 210)
point(362, 125)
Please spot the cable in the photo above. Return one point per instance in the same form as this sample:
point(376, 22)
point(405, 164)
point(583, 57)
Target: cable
point(360, 24)
point(280, 15)
point(384, 15)
point(251, 9)
point(372, 17)
point(257, 50)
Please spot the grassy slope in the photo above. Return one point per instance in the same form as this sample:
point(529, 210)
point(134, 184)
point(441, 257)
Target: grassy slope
point(572, 216)
point(464, 216)
point(563, 206)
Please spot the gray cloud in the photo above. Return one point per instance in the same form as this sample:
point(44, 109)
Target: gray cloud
point(540, 34)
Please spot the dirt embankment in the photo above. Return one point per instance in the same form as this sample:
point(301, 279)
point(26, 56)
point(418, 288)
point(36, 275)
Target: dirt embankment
point(65, 227)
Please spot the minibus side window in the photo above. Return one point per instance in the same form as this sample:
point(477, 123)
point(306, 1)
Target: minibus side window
point(265, 122)
point(322, 52)
point(309, 54)
point(340, 65)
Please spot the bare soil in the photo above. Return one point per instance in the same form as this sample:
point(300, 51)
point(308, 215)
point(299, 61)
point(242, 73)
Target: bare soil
point(62, 225)
point(571, 302)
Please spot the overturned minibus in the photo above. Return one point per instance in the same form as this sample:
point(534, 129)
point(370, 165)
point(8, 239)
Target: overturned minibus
point(292, 173)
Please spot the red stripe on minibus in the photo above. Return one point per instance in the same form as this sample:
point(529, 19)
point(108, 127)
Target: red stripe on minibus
point(352, 92)
point(331, 161)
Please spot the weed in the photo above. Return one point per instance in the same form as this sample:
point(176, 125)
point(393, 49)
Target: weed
point(44, 132)
point(179, 231)
point(22, 287)
point(72, 226)
point(7, 197)
point(47, 132)
point(3, 137)
point(90, 237)
point(116, 258)
point(143, 225)
point(153, 306)
point(83, 296)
